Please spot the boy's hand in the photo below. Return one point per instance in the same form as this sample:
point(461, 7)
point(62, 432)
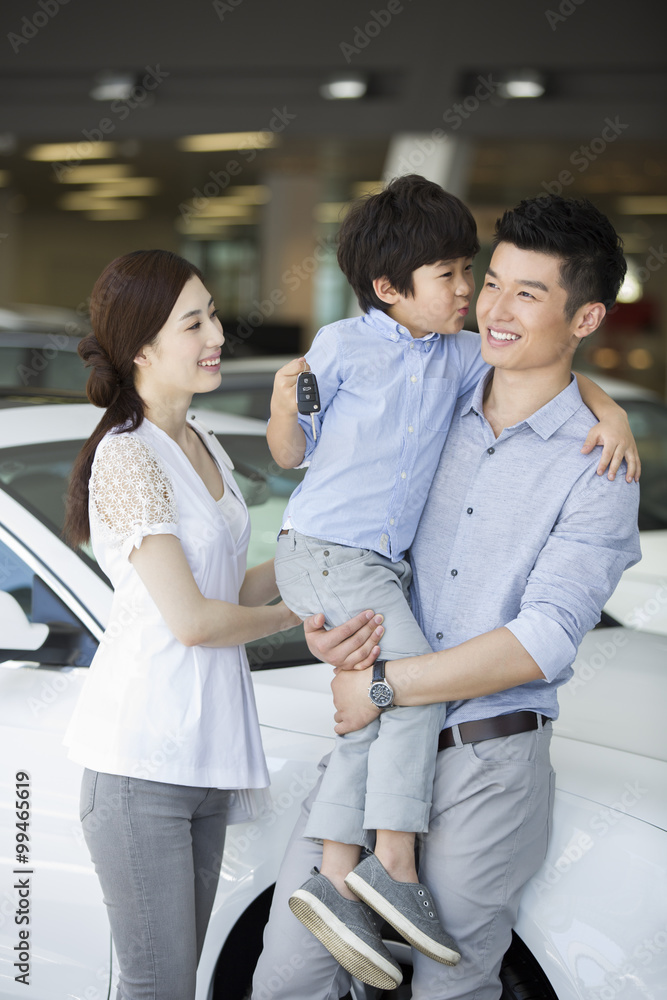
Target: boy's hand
point(614, 434)
point(283, 399)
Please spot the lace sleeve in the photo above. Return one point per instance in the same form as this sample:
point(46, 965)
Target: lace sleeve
point(130, 494)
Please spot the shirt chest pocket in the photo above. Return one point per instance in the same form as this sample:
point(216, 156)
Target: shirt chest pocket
point(438, 400)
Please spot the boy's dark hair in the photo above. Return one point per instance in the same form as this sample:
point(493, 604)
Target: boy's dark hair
point(591, 251)
point(411, 223)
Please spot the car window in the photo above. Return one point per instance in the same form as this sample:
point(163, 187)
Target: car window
point(648, 421)
point(37, 476)
point(40, 605)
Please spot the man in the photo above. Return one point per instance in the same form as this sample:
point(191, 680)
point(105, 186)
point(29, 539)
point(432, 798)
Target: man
point(519, 546)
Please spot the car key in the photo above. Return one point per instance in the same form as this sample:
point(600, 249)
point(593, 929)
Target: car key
point(308, 397)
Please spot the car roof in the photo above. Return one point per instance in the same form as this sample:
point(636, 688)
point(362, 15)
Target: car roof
point(25, 425)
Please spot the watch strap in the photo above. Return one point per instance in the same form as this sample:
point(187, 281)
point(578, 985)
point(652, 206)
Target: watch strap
point(378, 670)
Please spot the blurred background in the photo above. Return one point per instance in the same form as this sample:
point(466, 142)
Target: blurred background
point(236, 132)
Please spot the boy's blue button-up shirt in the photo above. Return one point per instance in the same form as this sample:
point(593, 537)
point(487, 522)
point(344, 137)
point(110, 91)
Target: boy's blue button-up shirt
point(519, 531)
point(387, 401)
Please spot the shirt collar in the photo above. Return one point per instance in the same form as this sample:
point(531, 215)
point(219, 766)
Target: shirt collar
point(545, 421)
point(390, 329)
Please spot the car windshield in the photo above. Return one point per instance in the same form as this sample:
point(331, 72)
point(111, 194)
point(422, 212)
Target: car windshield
point(37, 476)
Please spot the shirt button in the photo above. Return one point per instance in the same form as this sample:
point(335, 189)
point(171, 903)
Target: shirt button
point(325, 572)
point(411, 429)
point(491, 451)
point(455, 572)
point(326, 552)
point(403, 475)
point(438, 635)
point(392, 521)
point(413, 378)
point(412, 345)
point(394, 337)
point(469, 510)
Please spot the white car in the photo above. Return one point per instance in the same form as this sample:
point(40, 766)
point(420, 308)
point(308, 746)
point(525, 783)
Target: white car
point(593, 922)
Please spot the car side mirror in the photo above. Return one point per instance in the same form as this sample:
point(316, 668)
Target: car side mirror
point(56, 644)
point(15, 629)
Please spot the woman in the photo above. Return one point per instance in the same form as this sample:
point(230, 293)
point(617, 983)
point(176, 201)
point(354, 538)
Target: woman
point(166, 726)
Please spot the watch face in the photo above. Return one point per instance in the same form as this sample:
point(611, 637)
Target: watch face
point(381, 694)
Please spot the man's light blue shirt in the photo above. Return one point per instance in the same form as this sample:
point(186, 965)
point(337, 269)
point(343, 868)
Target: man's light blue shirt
point(386, 405)
point(521, 532)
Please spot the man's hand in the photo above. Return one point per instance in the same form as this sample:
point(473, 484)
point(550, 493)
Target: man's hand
point(351, 646)
point(354, 709)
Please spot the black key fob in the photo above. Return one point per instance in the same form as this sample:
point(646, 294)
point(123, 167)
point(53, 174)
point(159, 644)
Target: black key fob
point(308, 397)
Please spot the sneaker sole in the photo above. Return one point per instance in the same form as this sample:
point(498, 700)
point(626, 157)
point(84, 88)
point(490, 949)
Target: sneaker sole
point(347, 948)
point(422, 942)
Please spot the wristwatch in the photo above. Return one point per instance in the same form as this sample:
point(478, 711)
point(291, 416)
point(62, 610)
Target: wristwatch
point(380, 692)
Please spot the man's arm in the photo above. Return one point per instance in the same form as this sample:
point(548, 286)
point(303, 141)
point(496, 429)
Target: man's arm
point(594, 540)
point(486, 664)
point(613, 432)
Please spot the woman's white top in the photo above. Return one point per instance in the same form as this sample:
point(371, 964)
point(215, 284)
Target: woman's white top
point(152, 707)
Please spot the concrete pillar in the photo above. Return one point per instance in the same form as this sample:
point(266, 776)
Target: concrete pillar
point(289, 250)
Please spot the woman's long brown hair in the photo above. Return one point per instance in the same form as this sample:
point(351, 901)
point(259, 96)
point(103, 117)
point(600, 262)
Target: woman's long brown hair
point(130, 303)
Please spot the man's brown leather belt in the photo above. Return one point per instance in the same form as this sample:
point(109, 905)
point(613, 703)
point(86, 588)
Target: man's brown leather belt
point(489, 729)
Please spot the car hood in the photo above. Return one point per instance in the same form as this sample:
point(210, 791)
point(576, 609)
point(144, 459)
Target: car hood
point(640, 600)
point(297, 699)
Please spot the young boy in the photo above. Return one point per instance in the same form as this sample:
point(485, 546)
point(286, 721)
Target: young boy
point(388, 384)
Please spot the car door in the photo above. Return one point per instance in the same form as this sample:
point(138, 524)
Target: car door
point(54, 934)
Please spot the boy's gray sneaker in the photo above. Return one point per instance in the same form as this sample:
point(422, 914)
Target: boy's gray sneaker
point(347, 929)
point(407, 906)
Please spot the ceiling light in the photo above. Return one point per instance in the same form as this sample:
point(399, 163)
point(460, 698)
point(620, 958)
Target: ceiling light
point(347, 87)
point(107, 172)
point(123, 187)
point(51, 152)
point(126, 212)
point(249, 194)
point(522, 83)
point(84, 201)
point(331, 211)
point(215, 142)
point(643, 205)
point(110, 86)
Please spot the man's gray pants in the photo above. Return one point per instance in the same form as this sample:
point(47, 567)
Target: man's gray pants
point(380, 777)
point(488, 835)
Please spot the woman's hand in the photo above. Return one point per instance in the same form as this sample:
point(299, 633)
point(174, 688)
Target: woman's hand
point(351, 646)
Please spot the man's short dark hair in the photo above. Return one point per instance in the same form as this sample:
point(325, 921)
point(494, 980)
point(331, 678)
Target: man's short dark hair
point(591, 251)
point(411, 223)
